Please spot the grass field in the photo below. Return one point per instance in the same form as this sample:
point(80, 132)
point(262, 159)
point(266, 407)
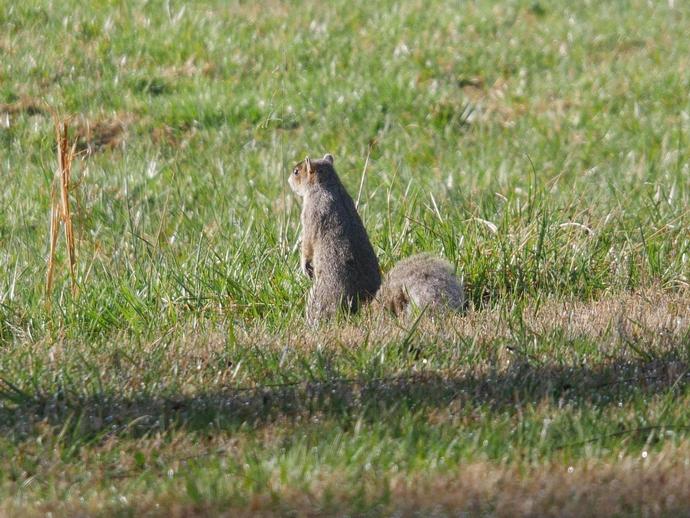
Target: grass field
point(541, 147)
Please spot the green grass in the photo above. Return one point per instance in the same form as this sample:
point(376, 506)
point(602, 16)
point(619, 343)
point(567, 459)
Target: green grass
point(542, 148)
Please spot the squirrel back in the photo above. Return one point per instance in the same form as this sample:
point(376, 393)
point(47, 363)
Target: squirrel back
point(422, 281)
point(336, 251)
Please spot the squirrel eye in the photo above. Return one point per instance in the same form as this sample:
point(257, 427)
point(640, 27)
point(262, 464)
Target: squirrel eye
point(295, 171)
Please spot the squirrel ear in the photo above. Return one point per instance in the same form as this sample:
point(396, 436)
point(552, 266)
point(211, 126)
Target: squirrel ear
point(307, 161)
point(328, 158)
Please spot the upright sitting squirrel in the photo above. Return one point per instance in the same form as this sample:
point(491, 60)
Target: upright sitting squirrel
point(336, 251)
point(338, 256)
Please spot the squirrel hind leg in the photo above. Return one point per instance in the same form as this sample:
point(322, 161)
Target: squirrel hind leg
point(457, 297)
point(397, 301)
point(313, 310)
point(401, 303)
point(321, 306)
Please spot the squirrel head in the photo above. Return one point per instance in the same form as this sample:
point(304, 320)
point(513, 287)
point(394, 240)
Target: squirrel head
point(312, 173)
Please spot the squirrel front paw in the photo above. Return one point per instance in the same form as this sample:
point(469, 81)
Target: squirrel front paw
point(308, 269)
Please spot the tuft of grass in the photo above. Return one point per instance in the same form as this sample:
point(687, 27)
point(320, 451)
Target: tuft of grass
point(60, 213)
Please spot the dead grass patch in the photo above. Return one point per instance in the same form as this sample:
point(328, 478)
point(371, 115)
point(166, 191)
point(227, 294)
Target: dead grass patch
point(494, 103)
point(25, 105)
point(651, 314)
point(101, 134)
point(640, 339)
point(652, 486)
point(657, 485)
point(489, 103)
point(255, 12)
point(190, 68)
point(174, 137)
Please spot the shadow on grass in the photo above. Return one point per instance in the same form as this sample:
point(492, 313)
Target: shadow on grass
point(612, 383)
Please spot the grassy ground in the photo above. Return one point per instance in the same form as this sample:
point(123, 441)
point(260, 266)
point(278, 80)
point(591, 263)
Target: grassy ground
point(541, 147)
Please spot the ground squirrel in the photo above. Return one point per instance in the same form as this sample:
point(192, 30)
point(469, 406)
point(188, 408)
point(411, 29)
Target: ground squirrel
point(423, 281)
point(336, 251)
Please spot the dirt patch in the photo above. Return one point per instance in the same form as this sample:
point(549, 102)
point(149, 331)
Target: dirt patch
point(100, 135)
point(190, 68)
point(24, 106)
point(492, 103)
point(178, 137)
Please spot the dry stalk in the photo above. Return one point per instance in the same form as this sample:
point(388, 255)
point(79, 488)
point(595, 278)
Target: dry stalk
point(60, 209)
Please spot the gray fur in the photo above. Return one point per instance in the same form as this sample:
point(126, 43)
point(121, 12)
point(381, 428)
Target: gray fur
point(336, 251)
point(422, 281)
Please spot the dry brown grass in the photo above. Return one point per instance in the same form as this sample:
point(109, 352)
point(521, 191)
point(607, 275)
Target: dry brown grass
point(25, 105)
point(639, 337)
point(610, 483)
point(189, 68)
point(653, 486)
point(652, 314)
point(179, 137)
point(102, 134)
point(657, 484)
point(60, 212)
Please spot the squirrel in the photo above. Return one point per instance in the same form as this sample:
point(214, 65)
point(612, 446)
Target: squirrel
point(335, 252)
point(424, 281)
